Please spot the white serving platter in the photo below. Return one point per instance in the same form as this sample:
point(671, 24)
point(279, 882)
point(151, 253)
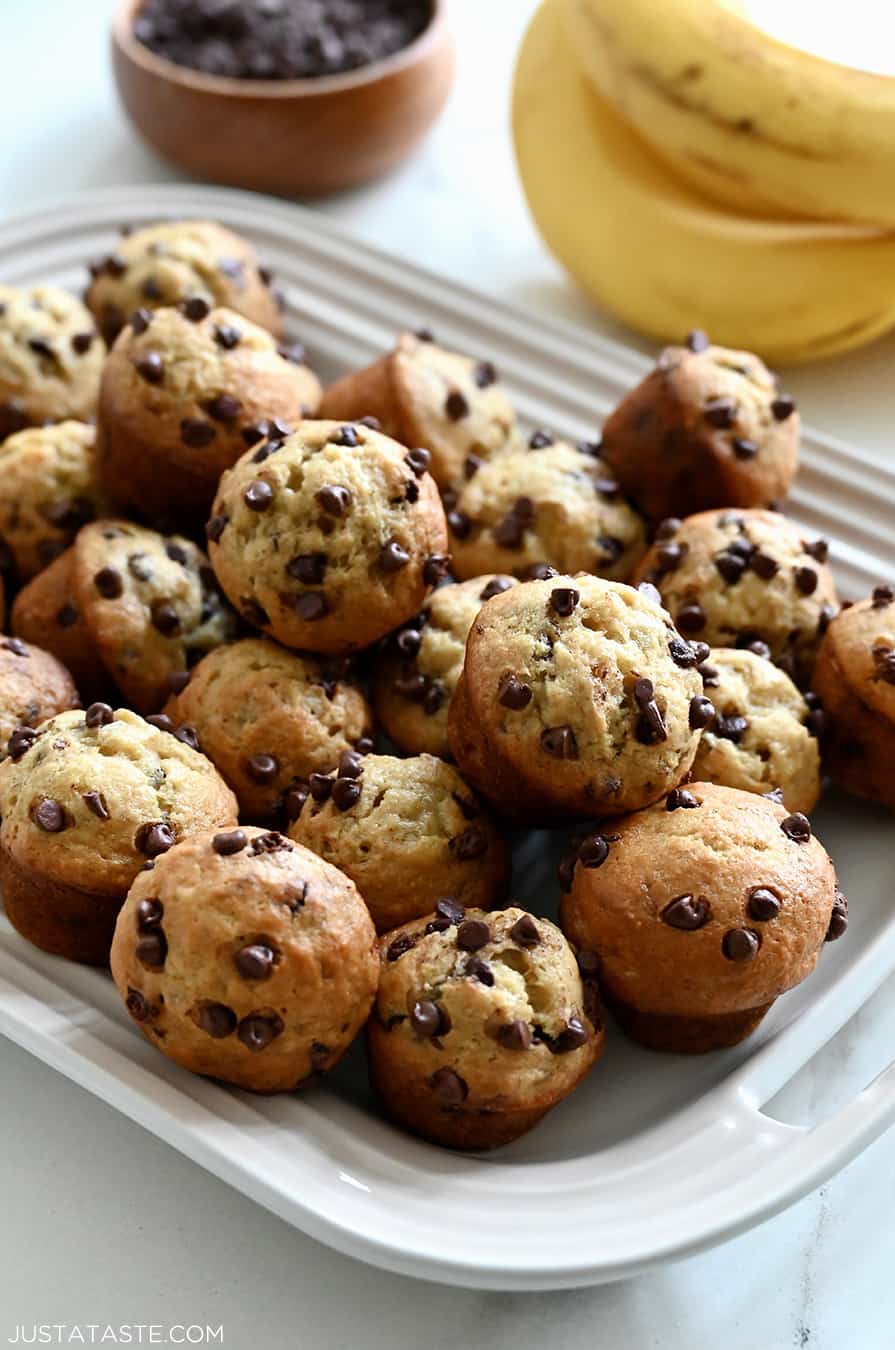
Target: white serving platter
point(654, 1156)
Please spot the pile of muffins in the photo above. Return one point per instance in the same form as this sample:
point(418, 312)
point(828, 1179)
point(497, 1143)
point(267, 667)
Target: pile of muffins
point(226, 581)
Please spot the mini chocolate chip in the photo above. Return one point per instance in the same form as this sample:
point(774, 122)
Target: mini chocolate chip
point(418, 460)
point(650, 725)
point(215, 527)
point(82, 342)
point(393, 556)
point(818, 549)
point(152, 950)
point(731, 726)
point(484, 373)
point(48, 815)
point(680, 799)
point(452, 910)
point(763, 904)
point(177, 680)
point(538, 571)
point(334, 499)
point(435, 568)
point(471, 466)
point(572, 1038)
point(320, 785)
point(471, 844)
point(686, 913)
point(224, 408)
point(524, 932)
point(195, 309)
point(702, 710)
point(136, 1005)
point(151, 289)
point(187, 734)
point(164, 617)
point(20, 742)
point(593, 851)
point(149, 915)
point(154, 838)
point(256, 961)
point(806, 580)
point(258, 496)
point(691, 618)
point(262, 768)
point(108, 582)
point(427, 1019)
point(216, 1020)
point(496, 586)
point(96, 802)
point(98, 715)
point(697, 340)
point(559, 742)
point(540, 439)
point(140, 320)
point(473, 934)
point(740, 944)
point(667, 528)
point(838, 918)
point(883, 596)
point(258, 1030)
point(456, 406)
point(311, 605)
point(228, 842)
point(227, 336)
point(346, 793)
point(783, 406)
point(408, 642)
point(515, 1035)
point(295, 352)
point(730, 567)
point(743, 448)
point(513, 693)
point(367, 421)
point(797, 827)
point(720, 412)
point(196, 433)
point(477, 969)
point(669, 555)
point(253, 613)
point(309, 568)
point(563, 600)
point(459, 524)
point(16, 646)
point(449, 1087)
point(150, 367)
point(351, 764)
point(425, 335)
point(682, 653)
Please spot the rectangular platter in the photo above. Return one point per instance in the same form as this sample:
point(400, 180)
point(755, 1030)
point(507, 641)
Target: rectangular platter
point(654, 1156)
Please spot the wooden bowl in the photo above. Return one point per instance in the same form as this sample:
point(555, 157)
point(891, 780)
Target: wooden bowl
point(297, 137)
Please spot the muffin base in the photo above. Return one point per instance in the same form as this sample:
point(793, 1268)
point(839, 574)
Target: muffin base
point(65, 920)
point(858, 745)
point(685, 1035)
point(367, 393)
point(35, 618)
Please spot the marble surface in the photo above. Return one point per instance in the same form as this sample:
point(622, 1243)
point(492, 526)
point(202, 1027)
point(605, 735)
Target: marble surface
point(103, 1223)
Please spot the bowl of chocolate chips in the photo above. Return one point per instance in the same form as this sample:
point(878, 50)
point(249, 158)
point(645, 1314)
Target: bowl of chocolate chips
point(299, 97)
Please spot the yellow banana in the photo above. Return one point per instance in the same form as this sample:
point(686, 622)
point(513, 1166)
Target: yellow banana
point(650, 250)
point(752, 122)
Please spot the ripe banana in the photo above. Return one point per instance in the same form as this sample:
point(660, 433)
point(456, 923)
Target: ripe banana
point(649, 249)
point(746, 119)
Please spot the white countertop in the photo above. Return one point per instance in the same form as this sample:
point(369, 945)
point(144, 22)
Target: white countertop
point(104, 1224)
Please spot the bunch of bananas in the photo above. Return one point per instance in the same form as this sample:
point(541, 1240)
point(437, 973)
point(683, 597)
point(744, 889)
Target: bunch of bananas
point(692, 172)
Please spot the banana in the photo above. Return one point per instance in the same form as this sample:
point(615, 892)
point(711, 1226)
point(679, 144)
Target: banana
point(650, 250)
point(746, 119)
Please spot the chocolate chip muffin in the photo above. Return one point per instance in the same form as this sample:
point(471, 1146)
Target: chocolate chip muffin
point(481, 1025)
point(418, 667)
point(708, 427)
point(243, 956)
point(699, 912)
point(179, 262)
point(763, 734)
point(48, 490)
point(50, 358)
point(87, 800)
point(33, 687)
point(406, 831)
point(732, 578)
point(47, 614)
point(329, 538)
point(549, 502)
point(578, 697)
point(183, 392)
point(855, 681)
point(424, 395)
point(269, 718)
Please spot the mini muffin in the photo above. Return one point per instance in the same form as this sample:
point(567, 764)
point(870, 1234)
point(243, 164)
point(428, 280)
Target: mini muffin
point(172, 264)
point(481, 1025)
point(406, 831)
point(87, 800)
point(699, 912)
point(855, 681)
point(763, 733)
point(183, 392)
point(418, 668)
point(33, 687)
point(424, 395)
point(577, 697)
point(330, 538)
point(48, 490)
point(706, 428)
point(243, 956)
point(50, 358)
point(45, 613)
point(146, 607)
point(269, 718)
point(548, 503)
point(731, 578)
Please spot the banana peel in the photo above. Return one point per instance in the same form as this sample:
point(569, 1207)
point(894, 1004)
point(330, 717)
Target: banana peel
point(662, 258)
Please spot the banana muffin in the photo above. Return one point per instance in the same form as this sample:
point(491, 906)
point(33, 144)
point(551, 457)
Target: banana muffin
point(406, 831)
point(45, 614)
point(578, 698)
point(243, 956)
point(699, 912)
point(732, 578)
point(419, 666)
point(88, 799)
point(855, 681)
point(426, 396)
point(50, 358)
point(183, 392)
point(48, 490)
point(482, 1024)
point(763, 734)
point(329, 538)
point(178, 262)
point(549, 502)
point(708, 427)
point(33, 687)
point(269, 718)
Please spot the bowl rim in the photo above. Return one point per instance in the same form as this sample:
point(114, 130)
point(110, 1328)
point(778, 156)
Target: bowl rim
point(229, 86)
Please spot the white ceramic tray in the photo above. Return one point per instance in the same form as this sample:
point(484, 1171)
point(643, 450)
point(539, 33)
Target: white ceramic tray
point(655, 1156)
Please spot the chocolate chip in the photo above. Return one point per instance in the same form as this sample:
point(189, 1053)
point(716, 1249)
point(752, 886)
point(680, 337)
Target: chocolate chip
point(48, 815)
point(258, 1030)
point(295, 352)
point(573, 1037)
point(559, 742)
point(256, 961)
point(196, 433)
point(154, 838)
point(593, 851)
point(730, 566)
point(743, 448)
point(668, 527)
point(428, 1020)
point(96, 802)
point(449, 1087)
point(418, 461)
point(228, 842)
point(262, 768)
point(334, 499)
point(20, 742)
point(686, 913)
point(164, 617)
point(783, 406)
point(150, 367)
point(797, 827)
point(161, 721)
point(806, 580)
point(473, 934)
point(459, 524)
point(691, 618)
point(669, 555)
point(82, 342)
point(108, 582)
point(680, 799)
point(435, 568)
point(346, 793)
point(16, 646)
point(484, 373)
point(538, 571)
point(477, 969)
point(563, 600)
point(456, 406)
point(740, 944)
point(136, 1005)
point(215, 527)
point(351, 764)
point(764, 905)
point(720, 412)
point(449, 909)
point(471, 466)
point(651, 724)
point(702, 710)
point(682, 653)
point(224, 408)
point(98, 715)
point(195, 309)
point(515, 1035)
point(187, 734)
point(227, 336)
point(697, 341)
point(216, 1020)
point(149, 915)
point(258, 496)
point(524, 932)
point(140, 320)
point(393, 556)
point(818, 549)
point(540, 439)
point(311, 605)
point(883, 596)
point(152, 951)
point(320, 785)
point(838, 918)
point(731, 726)
point(471, 844)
